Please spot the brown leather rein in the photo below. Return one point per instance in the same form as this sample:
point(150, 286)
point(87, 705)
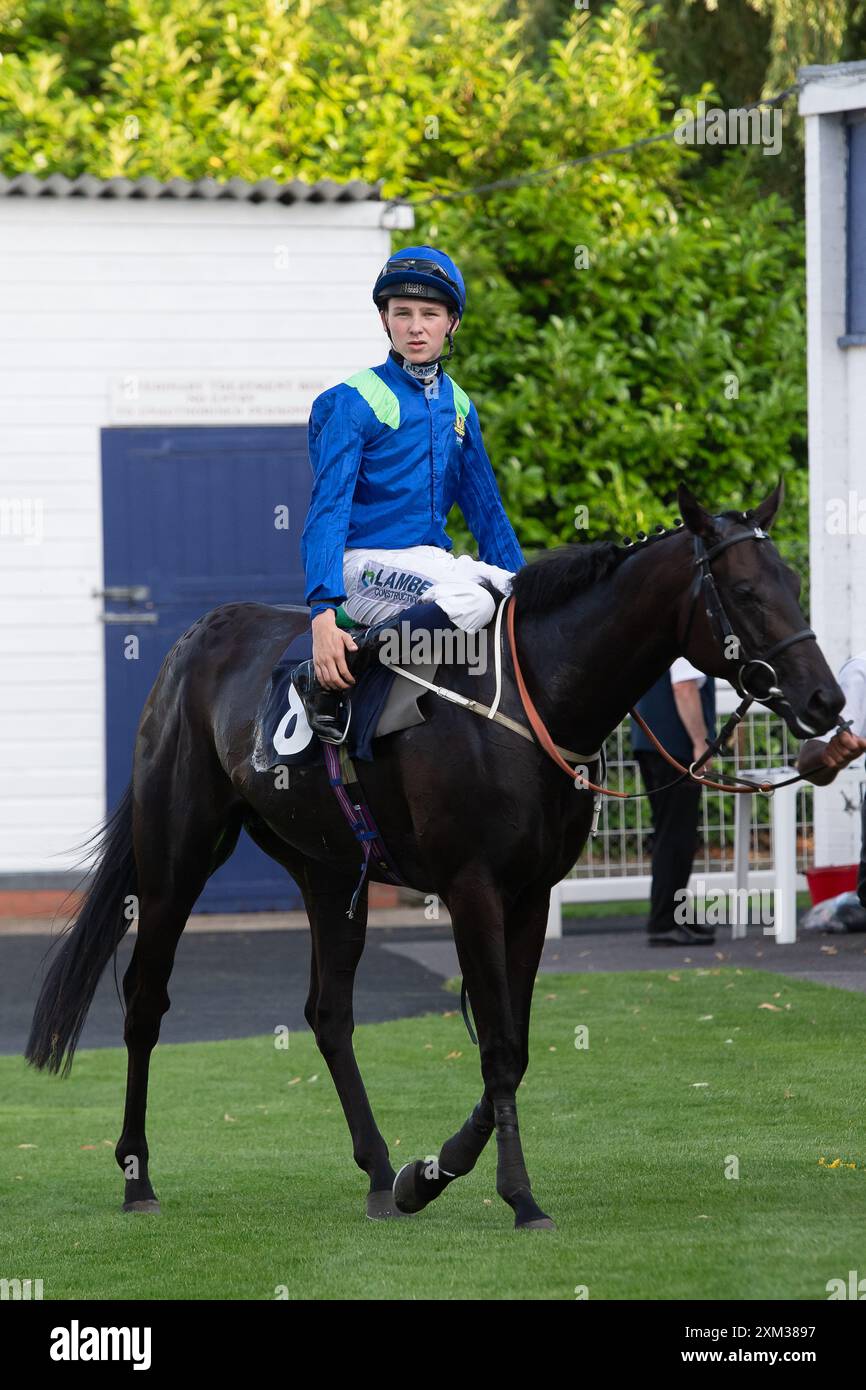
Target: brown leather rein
point(544, 738)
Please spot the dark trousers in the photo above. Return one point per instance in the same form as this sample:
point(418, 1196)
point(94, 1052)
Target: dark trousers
point(861, 877)
point(675, 836)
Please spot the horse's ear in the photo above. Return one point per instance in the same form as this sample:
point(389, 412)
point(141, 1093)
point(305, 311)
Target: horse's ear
point(765, 513)
point(698, 521)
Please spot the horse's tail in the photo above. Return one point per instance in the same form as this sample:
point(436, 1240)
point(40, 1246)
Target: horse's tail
point(88, 943)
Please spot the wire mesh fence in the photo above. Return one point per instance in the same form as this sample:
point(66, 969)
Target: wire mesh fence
point(622, 847)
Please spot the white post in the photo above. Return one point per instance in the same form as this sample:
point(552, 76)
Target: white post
point(554, 916)
point(837, 402)
point(742, 839)
point(784, 814)
point(783, 819)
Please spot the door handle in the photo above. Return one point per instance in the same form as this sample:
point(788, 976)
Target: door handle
point(131, 619)
point(129, 593)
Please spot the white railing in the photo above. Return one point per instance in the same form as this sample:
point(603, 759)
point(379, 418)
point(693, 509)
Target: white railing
point(746, 842)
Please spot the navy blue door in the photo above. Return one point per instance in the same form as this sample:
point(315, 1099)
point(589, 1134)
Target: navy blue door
point(189, 522)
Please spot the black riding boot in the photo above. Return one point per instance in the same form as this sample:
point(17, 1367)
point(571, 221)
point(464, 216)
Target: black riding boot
point(329, 711)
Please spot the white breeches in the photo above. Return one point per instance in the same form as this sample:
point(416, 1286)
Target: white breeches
point(379, 583)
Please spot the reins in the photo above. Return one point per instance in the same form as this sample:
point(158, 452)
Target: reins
point(723, 633)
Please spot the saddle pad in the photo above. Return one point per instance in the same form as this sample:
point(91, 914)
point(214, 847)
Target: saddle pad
point(381, 703)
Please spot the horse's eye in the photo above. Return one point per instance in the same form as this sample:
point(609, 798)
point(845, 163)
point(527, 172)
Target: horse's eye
point(744, 593)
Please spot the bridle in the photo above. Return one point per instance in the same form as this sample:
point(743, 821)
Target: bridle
point(721, 627)
point(723, 632)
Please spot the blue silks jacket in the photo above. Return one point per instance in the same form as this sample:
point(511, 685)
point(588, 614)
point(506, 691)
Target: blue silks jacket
point(389, 460)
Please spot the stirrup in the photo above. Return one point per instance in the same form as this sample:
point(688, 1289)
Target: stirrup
point(326, 734)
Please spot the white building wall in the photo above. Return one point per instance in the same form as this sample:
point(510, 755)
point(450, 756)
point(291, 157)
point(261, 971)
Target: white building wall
point(837, 422)
point(93, 289)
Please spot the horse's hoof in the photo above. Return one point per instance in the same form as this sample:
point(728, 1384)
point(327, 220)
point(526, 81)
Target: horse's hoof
point(151, 1206)
point(405, 1193)
point(541, 1223)
point(381, 1205)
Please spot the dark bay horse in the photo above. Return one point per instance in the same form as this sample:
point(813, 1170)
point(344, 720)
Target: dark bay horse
point(469, 810)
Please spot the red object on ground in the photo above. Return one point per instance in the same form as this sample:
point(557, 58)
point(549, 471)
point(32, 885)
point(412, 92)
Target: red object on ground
point(827, 882)
point(383, 895)
point(40, 902)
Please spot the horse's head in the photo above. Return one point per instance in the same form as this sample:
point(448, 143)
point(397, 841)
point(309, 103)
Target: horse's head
point(741, 619)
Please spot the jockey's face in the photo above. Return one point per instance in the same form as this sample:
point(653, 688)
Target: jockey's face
point(418, 327)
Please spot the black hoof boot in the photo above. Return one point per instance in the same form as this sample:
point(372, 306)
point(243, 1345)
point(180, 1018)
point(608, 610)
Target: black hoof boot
point(417, 1184)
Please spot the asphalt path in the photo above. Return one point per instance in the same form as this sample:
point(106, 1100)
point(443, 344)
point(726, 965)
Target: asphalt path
point(237, 984)
point(223, 985)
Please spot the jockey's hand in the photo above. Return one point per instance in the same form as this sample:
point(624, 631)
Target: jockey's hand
point(825, 760)
point(330, 644)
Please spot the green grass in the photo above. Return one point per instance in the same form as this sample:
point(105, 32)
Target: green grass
point(629, 907)
point(625, 1150)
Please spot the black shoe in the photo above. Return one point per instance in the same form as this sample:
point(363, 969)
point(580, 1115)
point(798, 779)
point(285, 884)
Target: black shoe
point(329, 712)
point(682, 936)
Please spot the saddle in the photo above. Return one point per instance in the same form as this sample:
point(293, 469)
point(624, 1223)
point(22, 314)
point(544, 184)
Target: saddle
point(329, 712)
point(381, 703)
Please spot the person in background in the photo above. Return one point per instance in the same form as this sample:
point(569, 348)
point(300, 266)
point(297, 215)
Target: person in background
point(681, 710)
point(827, 755)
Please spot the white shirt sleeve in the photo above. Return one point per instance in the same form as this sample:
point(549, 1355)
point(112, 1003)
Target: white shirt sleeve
point(852, 679)
point(683, 670)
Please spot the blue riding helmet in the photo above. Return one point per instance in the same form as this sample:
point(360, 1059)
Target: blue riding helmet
point(421, 271)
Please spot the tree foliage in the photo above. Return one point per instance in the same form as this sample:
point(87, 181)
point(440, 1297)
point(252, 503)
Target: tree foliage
point(630, 322)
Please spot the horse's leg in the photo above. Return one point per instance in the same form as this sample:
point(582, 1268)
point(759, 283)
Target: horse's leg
point(526, 927)
point(498, 970)
point(338, 942)
point(337, 945)
point(526, 924)
point(179, 841)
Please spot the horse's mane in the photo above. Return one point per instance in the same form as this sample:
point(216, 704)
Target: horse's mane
point(558, 575)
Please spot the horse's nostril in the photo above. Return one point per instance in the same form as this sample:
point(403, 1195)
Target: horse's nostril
point(825, 704)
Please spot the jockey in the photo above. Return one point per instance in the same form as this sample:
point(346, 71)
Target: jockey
point(392, 448)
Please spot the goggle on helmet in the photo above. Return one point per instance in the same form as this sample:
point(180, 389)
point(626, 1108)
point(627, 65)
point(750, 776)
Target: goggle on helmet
point(405, 274)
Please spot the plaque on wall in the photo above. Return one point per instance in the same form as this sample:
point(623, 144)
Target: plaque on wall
point(215, 398)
